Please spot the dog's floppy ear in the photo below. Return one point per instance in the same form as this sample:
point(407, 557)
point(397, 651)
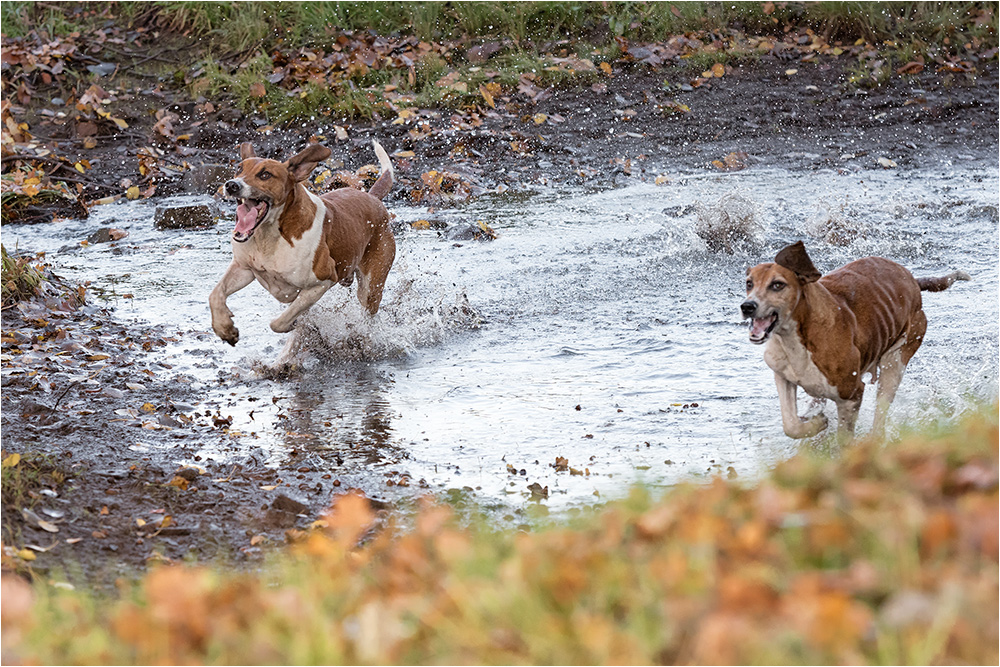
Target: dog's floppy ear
point(246, 151)
point(302, 164)
point(796, 259)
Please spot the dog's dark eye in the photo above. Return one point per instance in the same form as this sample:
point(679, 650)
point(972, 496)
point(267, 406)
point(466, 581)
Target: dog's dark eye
point(264, 175)
point(777, 287)
point(749, 285)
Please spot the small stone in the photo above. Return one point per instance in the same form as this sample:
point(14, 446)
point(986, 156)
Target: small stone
point(286, 504)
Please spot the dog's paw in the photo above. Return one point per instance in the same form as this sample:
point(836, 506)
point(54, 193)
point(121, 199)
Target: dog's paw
point(816, 424)
point(230, 334)
point(278, 326)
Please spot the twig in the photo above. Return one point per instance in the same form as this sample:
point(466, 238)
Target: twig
point(73, 384)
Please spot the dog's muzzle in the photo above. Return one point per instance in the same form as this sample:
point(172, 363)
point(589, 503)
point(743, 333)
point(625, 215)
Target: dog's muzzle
point(233, 188)
point(760, 327)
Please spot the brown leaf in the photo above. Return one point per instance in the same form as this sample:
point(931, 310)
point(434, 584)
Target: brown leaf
point(258, 90)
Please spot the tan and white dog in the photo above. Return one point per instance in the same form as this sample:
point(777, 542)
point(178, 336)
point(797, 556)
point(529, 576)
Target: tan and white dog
point(298, 244)
point(824, 332)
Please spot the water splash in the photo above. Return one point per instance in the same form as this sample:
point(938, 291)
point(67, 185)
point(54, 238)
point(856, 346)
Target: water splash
point(731, 225)
point(413, 315)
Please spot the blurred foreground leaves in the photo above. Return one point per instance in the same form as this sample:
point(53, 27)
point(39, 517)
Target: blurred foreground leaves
point(883, 553)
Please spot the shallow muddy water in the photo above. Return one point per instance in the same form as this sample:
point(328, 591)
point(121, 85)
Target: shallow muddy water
point(598, 327)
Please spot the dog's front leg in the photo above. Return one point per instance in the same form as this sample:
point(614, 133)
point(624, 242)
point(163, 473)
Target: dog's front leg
point(307, 297)
point(793, 425)
point(233, 280)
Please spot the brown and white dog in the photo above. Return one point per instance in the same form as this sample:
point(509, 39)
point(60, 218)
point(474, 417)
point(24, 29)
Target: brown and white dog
point(298, 244)
point(824, 333)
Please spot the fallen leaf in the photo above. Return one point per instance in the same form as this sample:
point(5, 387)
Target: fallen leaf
point(718, 70)
point(258, 90)
point(606, 68)
point(790, 72)
point(179, 482)
point(487, 96)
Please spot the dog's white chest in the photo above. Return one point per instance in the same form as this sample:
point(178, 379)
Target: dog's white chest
point(282, 268)
point(789, 358)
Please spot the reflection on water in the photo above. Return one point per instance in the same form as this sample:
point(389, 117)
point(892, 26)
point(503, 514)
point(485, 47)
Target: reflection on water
point(599, 327)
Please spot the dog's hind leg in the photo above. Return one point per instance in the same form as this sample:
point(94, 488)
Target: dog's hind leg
point(891, 367)
point(374, 269)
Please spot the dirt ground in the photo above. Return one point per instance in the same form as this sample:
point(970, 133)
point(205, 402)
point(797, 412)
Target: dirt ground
point(90, 486)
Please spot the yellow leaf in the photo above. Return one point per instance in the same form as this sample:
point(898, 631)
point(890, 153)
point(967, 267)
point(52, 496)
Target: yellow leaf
point(179, 482)
point(606, 68)
point(404, 115)
point(420, 224)
point(140, 522)
point(133, 192)
point(718, 69)
point(122, 125)
point(12, 460)
point(26, 554)
point(323, 176)
point(79, 167)
point(147, 407)
point(487, 95)
point(790, 72)
point(539, 118)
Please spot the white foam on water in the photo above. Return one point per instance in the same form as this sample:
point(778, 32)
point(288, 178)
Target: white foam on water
point(416, 312)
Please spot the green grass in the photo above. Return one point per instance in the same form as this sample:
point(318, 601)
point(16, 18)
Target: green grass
point(236, 26)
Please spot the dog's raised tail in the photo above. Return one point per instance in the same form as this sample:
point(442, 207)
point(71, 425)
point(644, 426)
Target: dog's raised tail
point(385, 179)
point(942, 283)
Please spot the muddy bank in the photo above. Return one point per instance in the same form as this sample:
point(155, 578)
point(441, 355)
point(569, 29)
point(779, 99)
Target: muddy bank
point(116, 417)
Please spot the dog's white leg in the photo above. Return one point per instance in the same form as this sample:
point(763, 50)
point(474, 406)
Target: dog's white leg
point(307, 297)
point(794, 426)
point(233, 280)
point(890, 368)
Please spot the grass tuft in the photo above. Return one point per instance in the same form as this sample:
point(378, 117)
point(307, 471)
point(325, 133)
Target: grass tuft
point(20, 278)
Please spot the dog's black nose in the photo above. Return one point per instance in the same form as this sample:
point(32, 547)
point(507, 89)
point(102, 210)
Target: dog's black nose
point(233, 188)
point(748, 308)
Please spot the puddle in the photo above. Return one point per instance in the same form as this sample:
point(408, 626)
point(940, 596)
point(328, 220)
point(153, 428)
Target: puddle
point(598, 327)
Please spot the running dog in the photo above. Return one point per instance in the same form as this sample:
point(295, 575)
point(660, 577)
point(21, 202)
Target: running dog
point(823, 333)
point(298, 244)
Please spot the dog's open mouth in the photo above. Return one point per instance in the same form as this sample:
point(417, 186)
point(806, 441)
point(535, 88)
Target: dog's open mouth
point(761, 328)
point(249, 214)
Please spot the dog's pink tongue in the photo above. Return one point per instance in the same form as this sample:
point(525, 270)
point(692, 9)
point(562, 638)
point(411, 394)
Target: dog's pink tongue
point(759, 325)
point(246, 218)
